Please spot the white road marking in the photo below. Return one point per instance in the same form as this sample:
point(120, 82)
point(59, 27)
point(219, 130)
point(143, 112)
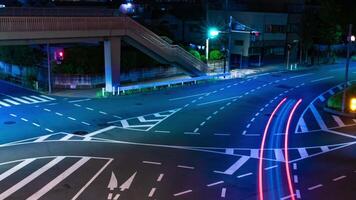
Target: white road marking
point(217, 101)
point(77, 105)
point(23, 119)
point(229, 151)
point(324, 148)
point(16, 168)
point(4, 104)
point(196, 130)
point(295, 166)
point(127, 184)
point(85, 123)
point(287, 197)
point(80, 100)
point(58, 179)
point(13, 115)
point(20, 100)
point(100, 131)
point(216, 183)
point(338, 120)
point(159, 179)
point(48, 110)
point(295, 178)
point(67, 137)
point(221, 134)
point(185, 167)
point(71, 118)
point(59, 114)
point(39, 98)
point(208, 118)
point(31, 177)
point(152, 192)
point(11, 101)
point(30, 99)
point(318, 118)
point(254, 153)
point(271, 167)
point(202, 124)
point(49, 130)
point(315, 187)
point(298, 76)
point(104, 113)
point(322, 79)
point(234, 167)
point(303, 125)
point(223, 192)
point(184, 192)
point(339, 178)
point(91, 109)
point(152, 163)
point(91, 180)
point(244, 175)
point(162, 131)
point(303, 152)
point(279, 155)
point(47, 97)
point(36, 124)
point(186, 97)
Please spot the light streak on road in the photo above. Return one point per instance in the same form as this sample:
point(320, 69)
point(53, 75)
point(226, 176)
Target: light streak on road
point(289, 177)
point(260, 164)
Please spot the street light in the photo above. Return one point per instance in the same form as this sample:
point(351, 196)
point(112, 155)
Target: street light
point(350, 39)
point(212, 34)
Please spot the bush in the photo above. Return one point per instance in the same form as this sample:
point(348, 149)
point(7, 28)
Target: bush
point(335, 101)
point(215, 55)
point(195, 53)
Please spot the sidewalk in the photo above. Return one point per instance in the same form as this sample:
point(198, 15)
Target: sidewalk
point(235, 73)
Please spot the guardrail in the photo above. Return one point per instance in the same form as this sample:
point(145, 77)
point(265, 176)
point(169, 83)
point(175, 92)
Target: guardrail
point(124, 89)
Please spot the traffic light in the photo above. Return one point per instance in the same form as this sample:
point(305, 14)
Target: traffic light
point(59, 56)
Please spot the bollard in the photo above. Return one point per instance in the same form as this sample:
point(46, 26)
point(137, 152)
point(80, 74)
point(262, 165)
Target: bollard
point(103, 92)
point(113, 90)
point(118, 90)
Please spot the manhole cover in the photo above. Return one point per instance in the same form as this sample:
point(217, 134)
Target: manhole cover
point(9, 122)
point(80, 133)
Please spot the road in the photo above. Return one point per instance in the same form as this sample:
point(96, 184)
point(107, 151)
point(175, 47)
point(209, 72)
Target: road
point(194, 142)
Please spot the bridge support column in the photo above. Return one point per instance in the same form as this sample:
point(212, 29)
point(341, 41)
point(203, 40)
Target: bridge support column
point(112, 57)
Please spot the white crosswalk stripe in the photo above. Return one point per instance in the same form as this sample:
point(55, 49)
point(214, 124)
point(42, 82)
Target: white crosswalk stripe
point(58, 179)
point(36, 173)
point(31, 99)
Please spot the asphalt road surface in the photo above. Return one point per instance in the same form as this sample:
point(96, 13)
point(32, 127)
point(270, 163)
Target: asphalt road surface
point(196, 142)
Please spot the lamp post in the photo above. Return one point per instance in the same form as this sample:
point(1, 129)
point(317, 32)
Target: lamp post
point(350, 39)
point(212, 33)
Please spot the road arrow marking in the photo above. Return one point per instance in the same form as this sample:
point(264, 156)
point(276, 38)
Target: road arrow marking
point(113, 182)
point(128, 183)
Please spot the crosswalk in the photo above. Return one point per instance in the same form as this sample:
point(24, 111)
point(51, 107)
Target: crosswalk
point(277, 154)
point(55, 137)
point(145, 122)
point(37, 178)
point(316, 118)
point(31, 99)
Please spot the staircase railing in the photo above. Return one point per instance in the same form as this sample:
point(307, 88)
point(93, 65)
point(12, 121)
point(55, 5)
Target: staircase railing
point(127, 26)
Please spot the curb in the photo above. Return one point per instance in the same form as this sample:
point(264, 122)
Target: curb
point(329, 110)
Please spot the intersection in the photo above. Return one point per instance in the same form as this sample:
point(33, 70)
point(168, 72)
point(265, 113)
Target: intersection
point(192, 142)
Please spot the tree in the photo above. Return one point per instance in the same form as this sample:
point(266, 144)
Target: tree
point(215, 55)
point(195, 53)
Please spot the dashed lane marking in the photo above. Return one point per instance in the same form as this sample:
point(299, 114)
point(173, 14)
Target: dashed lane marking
point(315, 187)
point(182, 193)
point(339, 178)
point(185, 167)
point(151, 162)
point(216, 183)
point(244, 175)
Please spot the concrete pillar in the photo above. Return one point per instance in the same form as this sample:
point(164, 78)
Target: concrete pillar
point(112, 57)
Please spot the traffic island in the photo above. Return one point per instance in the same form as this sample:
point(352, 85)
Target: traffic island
point(334, 103)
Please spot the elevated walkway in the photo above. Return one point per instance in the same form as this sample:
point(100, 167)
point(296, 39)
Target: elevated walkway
point(20, 30)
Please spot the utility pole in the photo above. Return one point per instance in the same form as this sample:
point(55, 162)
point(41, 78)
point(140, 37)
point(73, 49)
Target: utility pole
point(229, 46)
point(49, 69)
point(347, 68)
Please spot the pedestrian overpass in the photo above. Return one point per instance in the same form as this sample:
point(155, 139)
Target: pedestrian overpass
point(22, 30)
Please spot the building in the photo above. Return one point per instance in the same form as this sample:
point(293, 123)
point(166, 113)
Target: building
point(277, 22)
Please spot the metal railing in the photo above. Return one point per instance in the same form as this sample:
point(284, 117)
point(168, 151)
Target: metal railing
point(125, 89)
point(141, 34)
